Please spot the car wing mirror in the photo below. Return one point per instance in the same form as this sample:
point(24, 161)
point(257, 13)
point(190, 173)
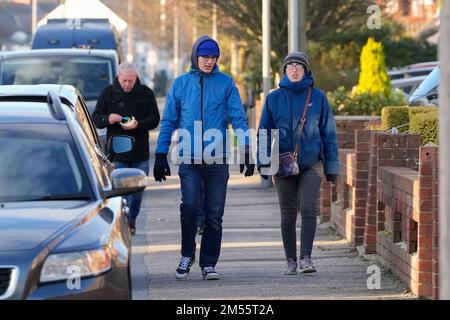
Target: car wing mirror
point(120, 145)
point(126, 181)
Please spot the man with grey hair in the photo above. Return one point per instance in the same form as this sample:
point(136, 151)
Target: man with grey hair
point(129, 108)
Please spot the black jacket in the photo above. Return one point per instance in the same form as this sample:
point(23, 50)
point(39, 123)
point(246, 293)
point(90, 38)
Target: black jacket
point(140, 103)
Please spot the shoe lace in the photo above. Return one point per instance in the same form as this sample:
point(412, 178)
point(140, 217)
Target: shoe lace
point(185, 263)
point(290, 263)
point(208, 269)
point(307, 260)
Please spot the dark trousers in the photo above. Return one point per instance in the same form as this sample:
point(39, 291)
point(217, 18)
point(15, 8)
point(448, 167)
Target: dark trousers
point(307, 187)
point(215, 181)
point(134, 201)
point(201, 214)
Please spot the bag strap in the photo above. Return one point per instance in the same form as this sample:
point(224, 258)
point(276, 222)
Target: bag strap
point(303, 120)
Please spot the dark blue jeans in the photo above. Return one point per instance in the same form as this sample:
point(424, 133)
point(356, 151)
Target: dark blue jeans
point(134, 200)
point(215, 181)
point(201, 214)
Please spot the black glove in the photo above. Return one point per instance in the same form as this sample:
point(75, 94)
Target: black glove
point(249, 164)
point(161, 169)
point(265, 177)
point(331, 177)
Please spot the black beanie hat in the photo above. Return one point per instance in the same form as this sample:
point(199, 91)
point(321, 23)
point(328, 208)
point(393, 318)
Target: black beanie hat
point(298, 57)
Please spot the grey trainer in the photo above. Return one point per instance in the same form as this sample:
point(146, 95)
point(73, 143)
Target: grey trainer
point(290, 267)
point(184, 268)
point(306, 265)
point(209, 273)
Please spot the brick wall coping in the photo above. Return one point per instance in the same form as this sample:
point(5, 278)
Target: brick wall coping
point(401, 172)
point(402, 178)
point(346, 151)
point(357, 118)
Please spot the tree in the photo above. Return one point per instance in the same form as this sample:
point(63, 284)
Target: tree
point(242, 19)
point(373, 77)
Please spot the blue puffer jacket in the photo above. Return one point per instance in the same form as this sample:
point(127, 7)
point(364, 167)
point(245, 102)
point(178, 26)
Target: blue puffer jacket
point(283, 110)
point(221, 106)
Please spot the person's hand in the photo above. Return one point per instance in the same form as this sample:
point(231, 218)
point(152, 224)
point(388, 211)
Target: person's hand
point(264, 176)
point(131, 126)
point(331, 177)
point(114, 118)
point(161, 169)
point(249, 164)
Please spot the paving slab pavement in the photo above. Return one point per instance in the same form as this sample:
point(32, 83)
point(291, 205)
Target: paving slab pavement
point(252, 254)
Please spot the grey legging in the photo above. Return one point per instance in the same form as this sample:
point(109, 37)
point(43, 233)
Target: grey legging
point(307, 187)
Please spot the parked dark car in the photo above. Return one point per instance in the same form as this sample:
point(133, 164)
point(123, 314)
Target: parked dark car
point(63, 228)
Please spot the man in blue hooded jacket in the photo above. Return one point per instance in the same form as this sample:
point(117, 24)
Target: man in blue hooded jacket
point(201, 104)
point(318, 154)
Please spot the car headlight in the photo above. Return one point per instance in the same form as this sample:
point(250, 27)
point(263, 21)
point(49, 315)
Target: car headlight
point(81, 264)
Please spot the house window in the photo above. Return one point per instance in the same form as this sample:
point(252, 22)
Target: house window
point(406, 7)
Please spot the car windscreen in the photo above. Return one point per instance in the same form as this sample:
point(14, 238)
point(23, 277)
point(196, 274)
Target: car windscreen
point(89, 74)
point(428, 85)
point(39, 162)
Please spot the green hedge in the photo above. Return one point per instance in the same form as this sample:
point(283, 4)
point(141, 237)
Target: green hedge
point(425, 121)
point(420, 120)
point(369, 104)
point(395, 117)
point(421, 110)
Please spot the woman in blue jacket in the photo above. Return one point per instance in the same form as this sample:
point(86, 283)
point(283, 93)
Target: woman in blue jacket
point(318, 153)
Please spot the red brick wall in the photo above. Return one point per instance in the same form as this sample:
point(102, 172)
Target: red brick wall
point(429, 203)
point(361, 179)
point(346, 127)
point(350, 210)
point(339, 212)
point(397, 241)
point(399, 150)
point(408, 244)
point(356, 213)
point(386, 198)
point(346, 134)
point(435, 167)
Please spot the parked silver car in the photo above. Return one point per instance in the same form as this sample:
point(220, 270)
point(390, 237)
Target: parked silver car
point(427, 94)
point(413, 70)
point(407, 85)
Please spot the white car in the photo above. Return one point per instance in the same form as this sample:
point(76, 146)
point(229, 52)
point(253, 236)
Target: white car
point(427, 94)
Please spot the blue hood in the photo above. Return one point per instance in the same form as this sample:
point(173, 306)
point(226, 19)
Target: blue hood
point(195, 49)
